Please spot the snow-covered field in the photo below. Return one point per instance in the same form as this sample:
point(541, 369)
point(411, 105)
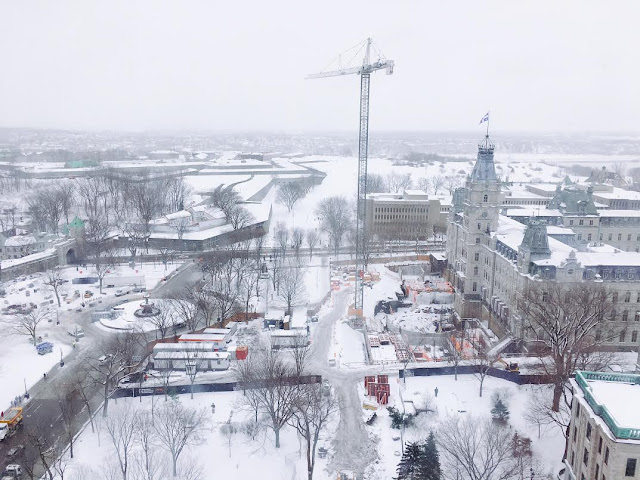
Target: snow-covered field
point(458, 398)
point(218, 457)
point(241, 456)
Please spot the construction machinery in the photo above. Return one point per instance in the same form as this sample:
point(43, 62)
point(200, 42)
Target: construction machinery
point(364, 70)
point(9, 421)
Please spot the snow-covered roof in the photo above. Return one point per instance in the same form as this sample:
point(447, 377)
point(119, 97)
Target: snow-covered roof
point(20, 241)
point(201, 355)
point(618, 193)
point(619, 213)
point(176, 215)
point(607, 259)
point(621, 400)
point(532, 212)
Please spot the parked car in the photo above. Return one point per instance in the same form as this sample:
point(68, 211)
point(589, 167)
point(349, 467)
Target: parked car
point(103, 359)
point(120, 292)
point(14, 470)
point(139, 289)
point(15, 451)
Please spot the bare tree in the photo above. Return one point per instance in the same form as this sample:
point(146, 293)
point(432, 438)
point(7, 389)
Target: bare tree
point(312, 238)
point(453, 351)
point(437, 182)
point(66, 192)
point(477, 449)
point(99, 247)
point(297, 236)
point(291, 288)
point(163, 322)
point(184, 307)
point(451, 183)
point(177, 427)
point(570, 322)
point(180, 225)
point(290, 193)
point(70, 406)
point(312, 412)
point(484, 361)
point(375, 183)
point(271, 385)
point(249, 280)
point(281, 236)
point(424, 184)
point(29, 323)
point(239, 217)
point(147, 462)
point(122, 429)
point(229, 429)
point(119, 351)
point(225, 198)
point(336, 217)
point(397, 182)
point(82, 382)
point(146, 201)
point(54, 280)
point(176, 191)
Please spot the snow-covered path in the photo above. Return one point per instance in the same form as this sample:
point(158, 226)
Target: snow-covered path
point(353, 448)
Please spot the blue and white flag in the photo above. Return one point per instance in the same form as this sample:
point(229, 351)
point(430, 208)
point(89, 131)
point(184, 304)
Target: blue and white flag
point(484, 119)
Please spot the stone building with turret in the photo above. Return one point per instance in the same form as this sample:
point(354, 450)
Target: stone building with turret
point(493, 259)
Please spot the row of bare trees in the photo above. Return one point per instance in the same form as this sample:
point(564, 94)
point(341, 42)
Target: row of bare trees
point(109, 196)
point(275, 391)
point(397, 182)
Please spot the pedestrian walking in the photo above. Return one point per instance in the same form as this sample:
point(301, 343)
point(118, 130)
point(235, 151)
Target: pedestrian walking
point(436, 392)
point(45, 375)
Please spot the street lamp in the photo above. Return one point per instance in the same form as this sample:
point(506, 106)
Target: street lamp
point(192, 371)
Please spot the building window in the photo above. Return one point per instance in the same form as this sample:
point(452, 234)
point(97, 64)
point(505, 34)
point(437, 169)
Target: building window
point(622, 336)
point(610, 236)
point(476, 257)
point(588, 431)
point(575, 433)
point(597, 471)
point(570, 222)
point(625, 315)
point(589, 237)
point(614, 297)
point(619, 237)
point(581, 222)
point(477, 240)
point(579, 236)
point(585, 457)
point(590, 222)
point(630, 471)
point(485, 198)
point(475, 287)
point(545, 296)
point(606, 456)
point(573, 459)
point(475, 270)
point(600, 445)
point(629, 238)
point(627, 297)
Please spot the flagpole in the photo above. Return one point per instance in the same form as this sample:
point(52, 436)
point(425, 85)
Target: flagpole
point(488, 116)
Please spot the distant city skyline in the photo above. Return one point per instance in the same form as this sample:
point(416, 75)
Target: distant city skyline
point(143, 66)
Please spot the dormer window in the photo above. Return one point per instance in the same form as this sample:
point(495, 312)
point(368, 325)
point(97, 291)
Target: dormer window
point(485, 198)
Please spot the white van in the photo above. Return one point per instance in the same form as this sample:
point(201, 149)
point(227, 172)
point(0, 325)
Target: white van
point(75, 330)
point(13, 469)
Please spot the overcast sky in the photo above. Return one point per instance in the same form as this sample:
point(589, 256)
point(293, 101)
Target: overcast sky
point(240, 65)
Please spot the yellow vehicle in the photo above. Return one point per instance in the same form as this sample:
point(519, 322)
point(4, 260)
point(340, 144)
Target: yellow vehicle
point(509, 367)
point(9, 421)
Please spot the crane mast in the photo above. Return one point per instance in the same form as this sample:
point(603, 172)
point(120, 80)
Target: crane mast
point(364, 71)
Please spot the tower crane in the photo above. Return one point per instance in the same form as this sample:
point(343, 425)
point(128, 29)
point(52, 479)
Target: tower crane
point(364, 70)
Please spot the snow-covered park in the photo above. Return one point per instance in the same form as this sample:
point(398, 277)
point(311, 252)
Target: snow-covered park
point(20, 364)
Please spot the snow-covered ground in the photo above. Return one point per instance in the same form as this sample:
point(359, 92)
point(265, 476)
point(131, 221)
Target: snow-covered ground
point(19, 360)
point(240, 458)
point(457, 398)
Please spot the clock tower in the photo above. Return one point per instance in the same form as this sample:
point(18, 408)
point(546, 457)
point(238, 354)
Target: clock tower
point(473, 224)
